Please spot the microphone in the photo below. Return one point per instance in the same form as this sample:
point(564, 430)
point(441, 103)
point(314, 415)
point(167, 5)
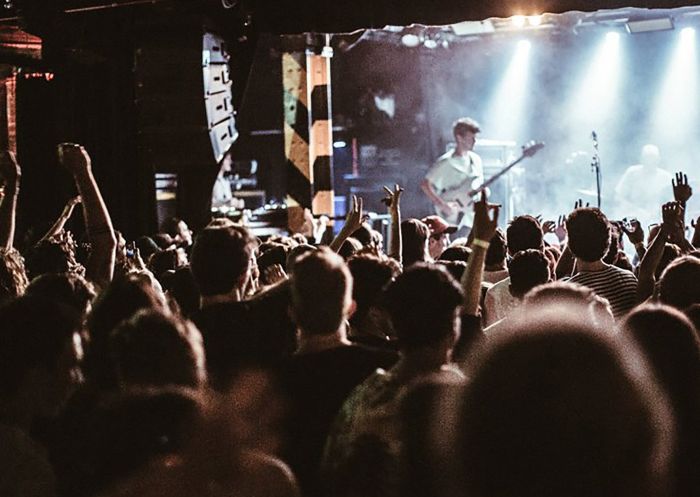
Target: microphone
point(594, 135)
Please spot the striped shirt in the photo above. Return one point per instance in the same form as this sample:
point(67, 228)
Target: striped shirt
point(618, 286)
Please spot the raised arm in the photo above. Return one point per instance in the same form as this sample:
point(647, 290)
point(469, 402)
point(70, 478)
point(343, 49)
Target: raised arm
point(353, 222)
point(647, 267)
point(635, 233)
point(393, 202)
point(11, 173)
point(100, 264)
point(485, 224)
point(61, 221)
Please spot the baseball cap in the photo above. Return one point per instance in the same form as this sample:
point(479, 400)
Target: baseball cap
point(438, 225)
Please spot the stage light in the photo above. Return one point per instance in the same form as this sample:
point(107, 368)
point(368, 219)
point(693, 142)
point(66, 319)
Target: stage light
point(592, 102)
point(518, 21)
point(339, 144)
point(612, 37)
point(674, 118)
point(410, 40)
point(430, 43)
point(647, 25)
point(508, 103)
point(534, 20)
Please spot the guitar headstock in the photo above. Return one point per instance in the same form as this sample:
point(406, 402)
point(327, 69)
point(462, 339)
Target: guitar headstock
point(531, 148)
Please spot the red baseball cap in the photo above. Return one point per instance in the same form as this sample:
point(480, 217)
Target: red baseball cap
point(438, 225)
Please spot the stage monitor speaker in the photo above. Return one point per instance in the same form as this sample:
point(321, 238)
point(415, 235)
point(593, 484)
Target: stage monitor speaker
point(184, 102)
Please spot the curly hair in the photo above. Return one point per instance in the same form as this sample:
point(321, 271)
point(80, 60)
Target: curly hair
point(13, 276)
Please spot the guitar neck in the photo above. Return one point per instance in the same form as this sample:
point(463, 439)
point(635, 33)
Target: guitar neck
point(496, 176)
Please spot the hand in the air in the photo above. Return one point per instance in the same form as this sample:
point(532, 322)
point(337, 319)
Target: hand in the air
point(393, 198)
point(355, 216)
point(485, 224)
point(74, 158)
point(560, 229)
point(681, 189)
point(634, 231)
point(579, 204)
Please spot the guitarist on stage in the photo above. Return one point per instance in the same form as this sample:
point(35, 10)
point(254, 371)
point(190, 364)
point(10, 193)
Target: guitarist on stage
point(458, 169)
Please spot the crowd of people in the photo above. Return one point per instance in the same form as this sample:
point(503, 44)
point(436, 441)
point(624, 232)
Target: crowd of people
point(220, 364)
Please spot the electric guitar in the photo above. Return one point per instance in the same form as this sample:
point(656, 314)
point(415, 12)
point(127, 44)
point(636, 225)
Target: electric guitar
point(463, 196)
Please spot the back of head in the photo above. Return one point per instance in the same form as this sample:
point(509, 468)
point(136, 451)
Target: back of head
point(69, 289)
point(524, 232)
point(528, 269)
point(153, 349)
point(422, 304)
point(35, 333)
point(557, 408)
point(370, 275)
point(574, 297)
point(350, 247)
point(321, 287)
point(679, 286)
point(669, 342)
point(589, 234)
point(455, 253)
point(221, 258)
point(122, 298)
point(50, 256)
point(497, 251)
point(414, 234)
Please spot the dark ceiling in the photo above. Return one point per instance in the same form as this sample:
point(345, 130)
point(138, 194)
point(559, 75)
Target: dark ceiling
point(294, 16)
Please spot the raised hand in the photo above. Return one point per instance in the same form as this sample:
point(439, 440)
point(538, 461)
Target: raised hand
point(70, 205)
point(579, 204)
point(274, 274)
point(9, 167)
point(355, 216)
point(74, 158)
point(672, 215)
point(393, 198)
point(485, 224)
point(560, 229)
point(634, 231)
point(548, 227)
point(681, 189)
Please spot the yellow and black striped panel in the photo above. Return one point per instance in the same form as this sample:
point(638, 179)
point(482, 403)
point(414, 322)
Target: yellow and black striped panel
point(296, 130)
point(321, 133)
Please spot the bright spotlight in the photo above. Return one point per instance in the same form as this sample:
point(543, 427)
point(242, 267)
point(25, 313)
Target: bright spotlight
point(673, 118)
point(508, 103)
point(612, 37)
point(534, 20)
point(518, 21)
point(410, 40)
point(593, 101)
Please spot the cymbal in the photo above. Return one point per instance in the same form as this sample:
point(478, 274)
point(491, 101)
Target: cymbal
point(589, 193)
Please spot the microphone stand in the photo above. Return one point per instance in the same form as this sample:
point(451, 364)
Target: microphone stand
point(595, 166)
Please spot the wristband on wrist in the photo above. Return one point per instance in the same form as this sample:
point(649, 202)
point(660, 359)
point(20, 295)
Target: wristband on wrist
point(480, 243)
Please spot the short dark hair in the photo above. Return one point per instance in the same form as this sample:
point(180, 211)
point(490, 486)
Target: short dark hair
point(421, 304)
point(153, 349)
point(321, 287)
point(536, 419)
point(370, 275)
point(34, 334)
point(69, 289)
point(465, 125)
point(679, 286)
point(524, 232)
point(456, 253)
point(497, 251)
point(589, 233)
point(220, 257)
point(414, 234)
point(527, 269)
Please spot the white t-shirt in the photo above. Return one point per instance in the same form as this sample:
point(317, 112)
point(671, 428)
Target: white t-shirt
point(451, 171)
